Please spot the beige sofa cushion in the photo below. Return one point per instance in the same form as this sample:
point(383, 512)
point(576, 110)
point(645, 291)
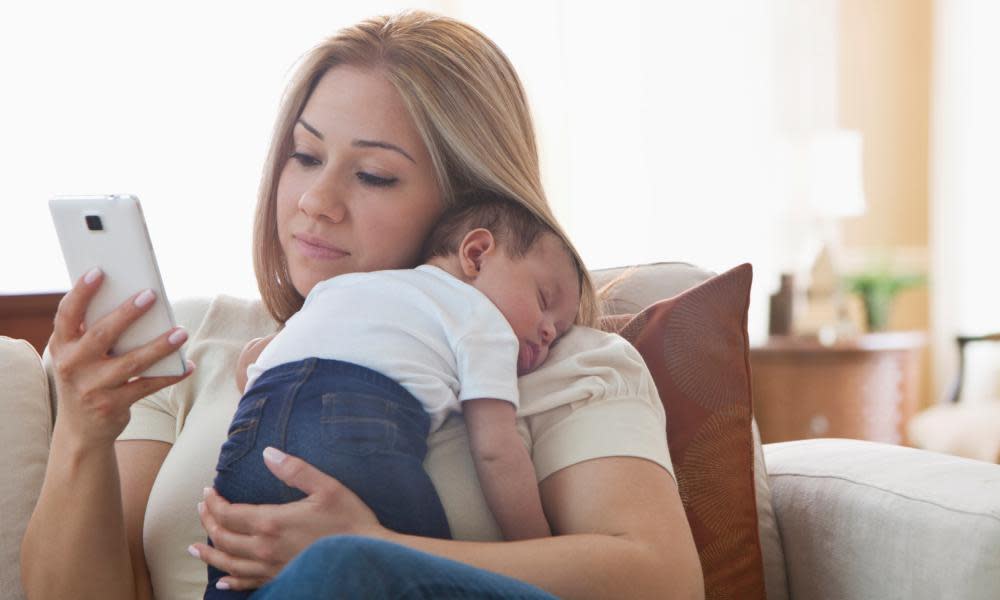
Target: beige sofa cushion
point(867, 520)
point(25, 429)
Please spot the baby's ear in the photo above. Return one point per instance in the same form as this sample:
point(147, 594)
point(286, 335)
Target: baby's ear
point(475, 245)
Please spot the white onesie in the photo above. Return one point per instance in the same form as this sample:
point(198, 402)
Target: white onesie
point(438, 337)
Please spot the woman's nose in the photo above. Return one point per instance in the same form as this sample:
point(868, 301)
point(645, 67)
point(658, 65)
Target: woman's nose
point(324, 199)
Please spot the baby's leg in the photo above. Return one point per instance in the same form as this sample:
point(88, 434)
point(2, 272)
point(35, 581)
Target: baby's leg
point(260, 421)
point(373, 439)
point(348, 421)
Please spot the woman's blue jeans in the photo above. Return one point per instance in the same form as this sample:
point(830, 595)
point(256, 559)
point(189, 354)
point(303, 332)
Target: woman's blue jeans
point(356, 567)
point(348, 421)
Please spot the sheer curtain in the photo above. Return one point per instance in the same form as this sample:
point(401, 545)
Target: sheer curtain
point(965, 189)
point(659, 122)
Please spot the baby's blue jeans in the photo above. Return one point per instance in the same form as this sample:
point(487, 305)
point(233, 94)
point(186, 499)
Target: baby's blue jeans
point(350, 422)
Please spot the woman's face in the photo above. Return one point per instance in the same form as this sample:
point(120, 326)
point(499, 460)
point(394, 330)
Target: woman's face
point(358, 192)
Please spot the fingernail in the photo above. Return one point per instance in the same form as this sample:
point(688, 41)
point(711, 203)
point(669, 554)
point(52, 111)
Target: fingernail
point(274, 455)
point(201, 508)
point(190, 366)
point(92, 275)
point(144, 299)
point(193, 551)
point(221, 585)
point(177, 337)
point(205, 492)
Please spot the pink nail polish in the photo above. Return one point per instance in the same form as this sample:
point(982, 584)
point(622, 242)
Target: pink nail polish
point(274, 455)
point(193, 551)
point(178, 337)
point(92, 275)
point(221, 585)
point(144, 299)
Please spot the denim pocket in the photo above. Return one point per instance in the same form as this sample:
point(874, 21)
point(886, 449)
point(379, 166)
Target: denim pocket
point(355, 423)
point(242, 431)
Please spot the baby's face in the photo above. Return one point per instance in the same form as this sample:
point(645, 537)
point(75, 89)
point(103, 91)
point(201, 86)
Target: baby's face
point(539, 294)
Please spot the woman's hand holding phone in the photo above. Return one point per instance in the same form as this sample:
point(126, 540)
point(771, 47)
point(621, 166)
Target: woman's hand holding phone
point(95, 390)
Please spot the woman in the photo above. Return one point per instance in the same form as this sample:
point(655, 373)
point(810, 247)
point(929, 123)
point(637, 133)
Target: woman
point(381, 126)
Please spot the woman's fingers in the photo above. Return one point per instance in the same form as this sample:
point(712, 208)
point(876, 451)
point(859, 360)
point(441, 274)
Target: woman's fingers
point(131, 364)
point(256, 541)
point(238, 567)
point(242, 583)
point(250, 560)
point(237, 519)
point(138, 389)
point(73, 306)
point(299, 474)
point(103, 334)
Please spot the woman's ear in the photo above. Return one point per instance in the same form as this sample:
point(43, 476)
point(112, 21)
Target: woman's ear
point(475, 245)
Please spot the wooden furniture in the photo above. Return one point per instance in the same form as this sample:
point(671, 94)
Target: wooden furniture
point(865, 387)
point(29, 317)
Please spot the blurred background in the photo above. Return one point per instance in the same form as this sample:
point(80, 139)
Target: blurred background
point(714, 132)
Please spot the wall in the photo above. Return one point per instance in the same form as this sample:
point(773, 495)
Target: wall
point(885, 81)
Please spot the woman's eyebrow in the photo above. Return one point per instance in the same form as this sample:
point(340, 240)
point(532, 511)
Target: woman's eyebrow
point(361, 143)
point(385, 145)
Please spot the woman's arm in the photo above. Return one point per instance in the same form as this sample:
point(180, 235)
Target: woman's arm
point(619, 524)
point(77, 543)
point(138, 463)
point(506, 474)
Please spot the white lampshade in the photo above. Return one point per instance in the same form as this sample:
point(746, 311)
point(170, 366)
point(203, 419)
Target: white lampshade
point(835, 174)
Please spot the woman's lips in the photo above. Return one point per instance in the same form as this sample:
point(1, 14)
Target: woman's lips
point(318, 249)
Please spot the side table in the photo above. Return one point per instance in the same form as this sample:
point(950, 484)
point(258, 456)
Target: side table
point(865, 387)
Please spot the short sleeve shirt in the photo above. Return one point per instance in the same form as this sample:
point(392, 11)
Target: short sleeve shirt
point(592, 398)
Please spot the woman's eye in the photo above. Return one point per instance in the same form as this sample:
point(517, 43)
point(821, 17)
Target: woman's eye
point(375, 180)
point(304, 159)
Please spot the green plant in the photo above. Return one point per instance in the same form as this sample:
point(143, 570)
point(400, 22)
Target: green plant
point(877, 289)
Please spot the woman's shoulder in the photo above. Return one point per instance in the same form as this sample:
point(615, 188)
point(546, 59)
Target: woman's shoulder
point(593, 398)
point(223, 316)
point(587, 365)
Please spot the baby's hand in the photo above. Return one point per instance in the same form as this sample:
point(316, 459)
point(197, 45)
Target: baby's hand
point(247, 357)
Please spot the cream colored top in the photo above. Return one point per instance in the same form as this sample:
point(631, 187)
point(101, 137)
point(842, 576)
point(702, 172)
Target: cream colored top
point(593, 397)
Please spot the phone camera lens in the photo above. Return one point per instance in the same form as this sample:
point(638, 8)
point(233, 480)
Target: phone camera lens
point(94, 223)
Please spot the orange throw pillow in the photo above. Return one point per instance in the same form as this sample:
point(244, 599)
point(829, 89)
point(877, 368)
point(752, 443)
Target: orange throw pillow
point(695, 345)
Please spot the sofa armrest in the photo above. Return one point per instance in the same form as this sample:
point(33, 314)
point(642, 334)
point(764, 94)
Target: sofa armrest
point(866, 520)
point(25, 432)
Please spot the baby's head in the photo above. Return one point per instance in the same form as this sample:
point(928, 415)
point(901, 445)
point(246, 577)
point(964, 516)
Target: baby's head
point(517, 261)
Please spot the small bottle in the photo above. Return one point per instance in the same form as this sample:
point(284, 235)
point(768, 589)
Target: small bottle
point(781, 307)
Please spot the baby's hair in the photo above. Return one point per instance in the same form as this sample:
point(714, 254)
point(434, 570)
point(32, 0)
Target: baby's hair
point(514, 227)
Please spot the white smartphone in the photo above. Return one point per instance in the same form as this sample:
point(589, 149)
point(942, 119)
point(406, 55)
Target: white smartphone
point(110, 232)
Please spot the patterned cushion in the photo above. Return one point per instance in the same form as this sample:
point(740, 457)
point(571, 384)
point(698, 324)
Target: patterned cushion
point(695, 345)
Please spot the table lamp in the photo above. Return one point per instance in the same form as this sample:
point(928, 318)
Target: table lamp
point(834, 191)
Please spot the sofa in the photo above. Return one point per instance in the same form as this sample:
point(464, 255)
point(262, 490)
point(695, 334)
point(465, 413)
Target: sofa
point(838, 518)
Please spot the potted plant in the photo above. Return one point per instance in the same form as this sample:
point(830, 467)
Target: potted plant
point(878, 287)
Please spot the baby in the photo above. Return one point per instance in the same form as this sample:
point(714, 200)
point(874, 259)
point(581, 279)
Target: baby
point(374, 362)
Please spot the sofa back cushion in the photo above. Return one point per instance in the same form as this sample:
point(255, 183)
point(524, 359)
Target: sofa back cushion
point(25, 432)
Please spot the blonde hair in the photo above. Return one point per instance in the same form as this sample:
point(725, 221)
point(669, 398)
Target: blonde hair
point(468, 106)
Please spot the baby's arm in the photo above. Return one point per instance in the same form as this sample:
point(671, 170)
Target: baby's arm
point(249, 354)
point(505, 472)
